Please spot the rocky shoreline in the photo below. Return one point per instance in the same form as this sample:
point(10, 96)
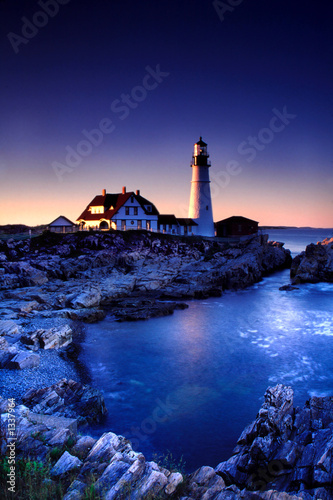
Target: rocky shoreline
point(286, 453)
point(315, 264)
point(50, 284)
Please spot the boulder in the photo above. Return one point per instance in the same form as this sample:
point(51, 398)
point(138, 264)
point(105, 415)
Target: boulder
point(104, 448)
point(8, 327)
point(24, 360)
point(55, 337)
point(75, 491)
point(69, 399)
point(83, 446)
point(90, 298)
point(284, 447)
point(66, 463)
point(315, 264)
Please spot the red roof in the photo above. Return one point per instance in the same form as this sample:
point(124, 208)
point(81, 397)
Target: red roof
point(116, 201)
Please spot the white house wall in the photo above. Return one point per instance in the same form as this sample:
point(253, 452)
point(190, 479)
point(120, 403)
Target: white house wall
point(141, 216)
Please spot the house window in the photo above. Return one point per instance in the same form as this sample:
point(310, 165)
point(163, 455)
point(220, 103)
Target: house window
point(123, 225)
point(139, 224)
point(135, 210)
point(148, 225)
point(148, 208)
point(126, 210)
point(132, 199)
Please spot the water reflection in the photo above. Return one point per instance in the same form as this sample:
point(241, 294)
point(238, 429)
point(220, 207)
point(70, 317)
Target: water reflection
point(212, 364)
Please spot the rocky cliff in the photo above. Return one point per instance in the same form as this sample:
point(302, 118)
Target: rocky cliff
point(314, 264)
point(53, 279)
point(85, 271)
point(285, 454)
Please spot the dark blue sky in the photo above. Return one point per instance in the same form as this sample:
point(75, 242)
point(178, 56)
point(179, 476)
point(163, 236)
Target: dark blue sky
point(222, 76)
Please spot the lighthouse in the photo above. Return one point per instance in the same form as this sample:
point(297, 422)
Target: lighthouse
point(200, 209)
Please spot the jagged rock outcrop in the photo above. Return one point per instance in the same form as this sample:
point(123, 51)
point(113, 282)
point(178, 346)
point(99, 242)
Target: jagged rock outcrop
point(77, 276)
point(118, 471)
point(68, 399)
point(132, 275)
point(314, 264)
point(16, 343)
point(285, 454)
point(285, 449)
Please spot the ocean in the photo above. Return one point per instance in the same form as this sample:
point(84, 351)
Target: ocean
point(187, 384)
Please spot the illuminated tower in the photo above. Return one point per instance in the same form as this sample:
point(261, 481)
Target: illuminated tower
point(200, 209)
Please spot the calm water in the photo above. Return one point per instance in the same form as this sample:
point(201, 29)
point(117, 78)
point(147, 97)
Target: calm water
point(189, 383)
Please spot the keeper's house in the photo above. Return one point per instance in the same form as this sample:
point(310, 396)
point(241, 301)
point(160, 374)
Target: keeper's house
point(130, 210)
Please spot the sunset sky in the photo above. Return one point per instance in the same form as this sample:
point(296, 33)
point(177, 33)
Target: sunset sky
point(252, 77)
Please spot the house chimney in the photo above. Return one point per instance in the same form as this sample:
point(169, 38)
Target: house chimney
point(137, 192)
point(124, 190)
point(104, 192)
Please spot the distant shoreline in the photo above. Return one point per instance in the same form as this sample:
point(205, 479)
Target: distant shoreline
point(24, 229)
point(295, 227)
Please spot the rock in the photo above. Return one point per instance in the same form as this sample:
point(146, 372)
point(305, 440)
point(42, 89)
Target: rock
point(152, 484)
point(315, 264)
point(83, 446)
point(104, 448)
point(273, 460)
point(66, 463)
point(284, 447)
point(29, 306)
point(24, 360)
point(52, 422)
point(55, 338)
point(91, 315)
point(8, 328)
point(135, 309)
point(75, 491)
point(134, 267)
point(87, 299)
point(174, 480)
point(26, 274)
point(61, 437)
point(288, 288)
point(111, 476)
point(205, 483)
point(69, 399)
point(6, 356)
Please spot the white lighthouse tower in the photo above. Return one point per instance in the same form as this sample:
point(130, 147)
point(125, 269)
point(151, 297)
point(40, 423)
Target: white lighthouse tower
point(200, 209)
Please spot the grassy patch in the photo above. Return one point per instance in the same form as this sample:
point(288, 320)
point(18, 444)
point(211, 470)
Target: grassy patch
point(32, 481)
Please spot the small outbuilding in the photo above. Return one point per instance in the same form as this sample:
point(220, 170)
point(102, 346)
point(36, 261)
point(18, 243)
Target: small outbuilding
point(236, 226)
point(62, 225)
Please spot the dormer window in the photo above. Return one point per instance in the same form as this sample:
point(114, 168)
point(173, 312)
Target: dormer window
point(148, 208)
